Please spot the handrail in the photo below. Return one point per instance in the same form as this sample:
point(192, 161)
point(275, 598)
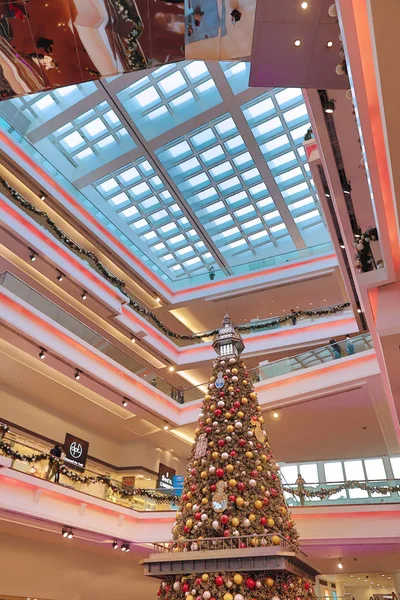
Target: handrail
point(223, 543)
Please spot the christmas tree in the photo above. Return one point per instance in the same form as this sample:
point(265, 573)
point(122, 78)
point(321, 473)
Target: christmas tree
point(232, 507)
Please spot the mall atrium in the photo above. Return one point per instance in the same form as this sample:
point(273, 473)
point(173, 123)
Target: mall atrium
point(200, 300)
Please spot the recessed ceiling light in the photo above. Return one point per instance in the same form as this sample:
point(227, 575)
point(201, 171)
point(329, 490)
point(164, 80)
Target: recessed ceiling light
point(297, 43)
point(329, 44)
point(166, 427)
point(304, 5)
point(171, 368)
point(158, 299)
point(275, 415)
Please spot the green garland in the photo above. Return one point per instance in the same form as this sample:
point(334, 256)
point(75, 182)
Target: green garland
point(323, 493)
point(42, 217)
point(117, 488)
point(364, 259)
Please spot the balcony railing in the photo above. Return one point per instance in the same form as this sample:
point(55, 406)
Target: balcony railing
point(106, 486)
point(187, 394)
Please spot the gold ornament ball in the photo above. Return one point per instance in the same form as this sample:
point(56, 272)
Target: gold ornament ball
point(245, 382)
point(230, 428)
point(276, 540)
point(263, 488)
point(253, 395)
point(282, 510)
point(227, 596)
point(189, 494)
point(269, 582)
point(205, 491)
point(197, 431)
point(228, 415)
point(205, 577)
point(231, 389)
point(207, 398)
point(264, 457)
point(176, 549)
point(240, 414)
point(258, 408)
point(215, 455)
point(203, 474)
point(261, 419)
point(239, 501)
point(235, 521)
point(234, 371)
point(270, 522)
point(212, 407)
point(204, 501)
point(211, 444)
point(259, 468)
point(212, 378)
point(258, 504)
point(189, 597)
point(252, 518)
point(209, 421)
point(249, 454)
point(245, 401)
point(189, 523)
point(232, 483)
point(238, 579)
point(188, 505)
point(255, 542)
point(229, 468)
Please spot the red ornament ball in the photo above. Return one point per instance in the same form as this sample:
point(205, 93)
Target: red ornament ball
point(224, 519)
point(217, 412)
point(186, 529)
point(241, 486)
point(227, 533)
point(221, 443)
point(242, 442)
point(307, 585)
point(221, 394)
point(197, 516)
point(218, 582)
point(273, 492)
point(208, 429)
point(193, 487)
point(213, 487)
point(250, 583)
point(236, 404)
point(233, 453)
point(185, 588)
point(263, 521)
point(242, 545)
point(219, 472)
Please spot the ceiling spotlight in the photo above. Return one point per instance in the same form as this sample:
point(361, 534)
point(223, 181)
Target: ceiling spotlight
point(115, 545)
point(329, 44)
point(359, 311)
point(60, 276)
point(125, 402)
point(329, 106)
point(33, 255)
point(342, 246)
point(275, 415)
point(158, 299)
point(64, 532)
point(340, 566)
point(84, 295)
point(171, 368)
point(166, 427)
point(304, 5)
point(297, 43)
point(125, 547)
point(42, 195)
point(70, 534)
point(42, 353)
point(133, 339)
point(347, 188)
point(327, 195)
point(77, 374)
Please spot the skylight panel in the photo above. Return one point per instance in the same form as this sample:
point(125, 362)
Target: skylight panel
point(267, 127)
point(172, 84)
point(230, 183)
point(208, 193)
point(64, 91)
point(106, 141)
point(150, 235)
point(189, 165)
point(149, 202)
point(261, 108)
point(44, 102)
point(176, 240)
point(158, 112)
point(295, 113)
point(192, 233)
point(200, 245)
point(168, 227)
point(73, 140)
point(109, 185)
point(157, 73)
point(140, 189)
point(165, 195)
point(156, 182)
point(258, 236)
point(158, 216)
point(275, 144)
point(130, 212)
point(244, 211)
point(296, 189)
point(179, 149)
point(192, 261)
point(214, 207)
point(212, 154)
point(222, 169)
point(230, 232)
point(293, 173)
point(204, 87)
point(85, 116)
point(235, 143)
point(287, 95)
point(63, 129)
point(84, 154)
point(281, 160)
point(119, 199)
point(182, 99)
point(177, 268)
point(272, 215)
point(264, 203)
point(198, 180)
point(237, 198)
point(238, 68)
point(226, 126)
point(130, 175)
point(306, 216)
point(184, 221)
point(299, 132)
point(111, 118)
point(139, 224)
point(279, 227)
point(94, 128)
point(146, 167)
point(237, 244)
point(196, 70)
point(251, 174)
point(148, 97)
point(159, 246)
point(243, 159)
point(301, 203)
point(258, 189)
point(223, 220)
point(184, 250)
point(252, 223)
point(203, 138)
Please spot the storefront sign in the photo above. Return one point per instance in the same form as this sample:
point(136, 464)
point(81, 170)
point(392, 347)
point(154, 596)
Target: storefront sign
point(76, 451)
point(165, 475)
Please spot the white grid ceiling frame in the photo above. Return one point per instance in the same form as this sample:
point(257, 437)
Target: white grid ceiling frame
point(142, 202)
point(217, 177)
point(278, 121)
point(169, 96)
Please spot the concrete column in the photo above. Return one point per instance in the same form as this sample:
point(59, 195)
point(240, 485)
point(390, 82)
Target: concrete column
point(396, 577)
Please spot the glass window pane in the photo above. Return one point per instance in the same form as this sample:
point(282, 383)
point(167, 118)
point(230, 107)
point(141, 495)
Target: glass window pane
point(309, 473)
point(354, 470)
point(289, 473)
point(333, 472)
point(395, 462)
point(375, 468)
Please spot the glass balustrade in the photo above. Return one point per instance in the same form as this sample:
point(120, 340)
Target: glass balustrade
point(151, 499)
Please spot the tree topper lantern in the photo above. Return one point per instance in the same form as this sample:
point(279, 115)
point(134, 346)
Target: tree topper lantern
point(228, 342)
